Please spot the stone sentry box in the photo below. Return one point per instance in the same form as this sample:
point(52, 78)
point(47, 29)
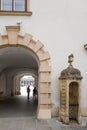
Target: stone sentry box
point(70, 94)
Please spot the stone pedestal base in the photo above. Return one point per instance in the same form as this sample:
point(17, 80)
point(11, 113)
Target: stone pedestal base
point(64, 119)
point(44, 114)
point(80, 120)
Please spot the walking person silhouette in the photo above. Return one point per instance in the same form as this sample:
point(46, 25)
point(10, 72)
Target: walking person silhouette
point(28, 92)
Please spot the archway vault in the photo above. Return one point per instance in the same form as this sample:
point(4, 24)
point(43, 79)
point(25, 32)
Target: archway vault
point(13, 38)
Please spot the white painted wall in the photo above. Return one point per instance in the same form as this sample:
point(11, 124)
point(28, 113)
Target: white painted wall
point(62, 26)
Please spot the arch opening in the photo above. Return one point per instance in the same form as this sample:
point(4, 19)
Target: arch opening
point(73, 101)
point(35, 52)
point(25, 81)
point(17, 62)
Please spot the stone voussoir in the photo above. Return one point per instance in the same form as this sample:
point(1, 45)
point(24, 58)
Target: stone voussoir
point(44, 56)
point(27, 38)
point(37, 46)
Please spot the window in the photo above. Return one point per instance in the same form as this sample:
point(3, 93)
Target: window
point(6, 5)
point(13, 6)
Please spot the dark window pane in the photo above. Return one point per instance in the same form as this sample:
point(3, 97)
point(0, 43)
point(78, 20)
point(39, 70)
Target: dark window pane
point(19, 5)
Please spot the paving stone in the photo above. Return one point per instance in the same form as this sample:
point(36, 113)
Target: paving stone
point(20, 115)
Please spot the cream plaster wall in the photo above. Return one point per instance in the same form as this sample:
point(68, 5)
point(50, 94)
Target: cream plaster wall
point(62, 26)
point(84, 111)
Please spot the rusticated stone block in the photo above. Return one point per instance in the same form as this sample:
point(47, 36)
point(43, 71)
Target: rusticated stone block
point(45, 89)
point(44, 56)
point(20, 39)
point(43, 85)
point(45, 77)
point(5, 40)
point(45, 101)
point(12, 32)
point(45, 68)
point(32, 44)
point(44, 114)
point(38, 46)
point(27, 38)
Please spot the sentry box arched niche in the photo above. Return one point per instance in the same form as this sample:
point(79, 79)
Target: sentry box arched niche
point(70, 94)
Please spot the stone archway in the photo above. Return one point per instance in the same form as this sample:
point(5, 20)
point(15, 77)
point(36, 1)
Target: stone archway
point(18, 75)
point(13, 38)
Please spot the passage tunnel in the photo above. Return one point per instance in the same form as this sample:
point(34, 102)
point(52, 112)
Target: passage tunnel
point(20, 55)
point(15, 62)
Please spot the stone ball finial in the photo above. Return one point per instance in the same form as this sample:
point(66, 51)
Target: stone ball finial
point(70, 59)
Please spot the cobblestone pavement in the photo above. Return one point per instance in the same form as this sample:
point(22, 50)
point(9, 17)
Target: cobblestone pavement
point(19, 114)
point(54, 124)
point(31, 123)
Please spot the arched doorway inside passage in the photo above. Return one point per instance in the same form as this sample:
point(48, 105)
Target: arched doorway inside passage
point(13, 39)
